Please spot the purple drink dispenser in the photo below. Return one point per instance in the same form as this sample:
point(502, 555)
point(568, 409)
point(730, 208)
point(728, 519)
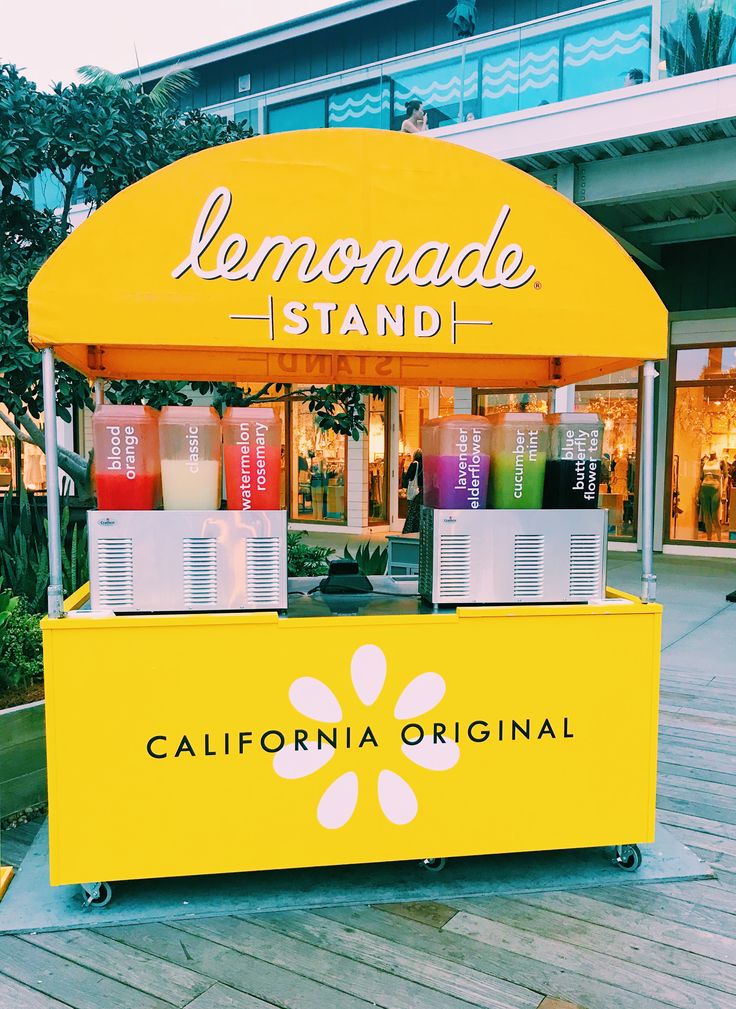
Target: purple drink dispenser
point(456, 459)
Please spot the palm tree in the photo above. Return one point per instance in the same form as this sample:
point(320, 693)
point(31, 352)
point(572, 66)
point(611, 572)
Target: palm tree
point(701, 43)
point(162, 95)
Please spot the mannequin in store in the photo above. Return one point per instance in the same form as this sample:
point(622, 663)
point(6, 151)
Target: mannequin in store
point(414, 493)
point(709, 495)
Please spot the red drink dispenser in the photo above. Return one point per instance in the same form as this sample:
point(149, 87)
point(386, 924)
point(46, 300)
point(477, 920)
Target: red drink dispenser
point(127, 467)
point(252, 438)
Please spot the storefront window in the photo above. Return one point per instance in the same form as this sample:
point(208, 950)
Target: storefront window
point(615, 398)
point(318, 474)
point(510, 401)
point(377, 424)
point(703, 453)
point(414, 410)
point(446, 402)
point(7, 463)
point(34, 468)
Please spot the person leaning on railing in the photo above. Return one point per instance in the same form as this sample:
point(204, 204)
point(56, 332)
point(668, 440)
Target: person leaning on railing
point(416, 118)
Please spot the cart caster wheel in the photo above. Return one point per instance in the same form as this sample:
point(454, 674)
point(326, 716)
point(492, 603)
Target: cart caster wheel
point(96, 894)
point(433, 864)
point(628, 857)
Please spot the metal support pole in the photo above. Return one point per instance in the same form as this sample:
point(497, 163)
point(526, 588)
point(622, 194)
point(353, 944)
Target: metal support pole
point(99, 392)
point(646, 484)
point(56, 592)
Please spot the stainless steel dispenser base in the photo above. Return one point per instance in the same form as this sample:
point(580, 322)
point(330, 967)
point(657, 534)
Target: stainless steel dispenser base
point(508, 556)
point(179, 561)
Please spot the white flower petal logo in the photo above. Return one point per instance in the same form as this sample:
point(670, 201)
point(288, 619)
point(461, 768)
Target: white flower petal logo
point(314, 699)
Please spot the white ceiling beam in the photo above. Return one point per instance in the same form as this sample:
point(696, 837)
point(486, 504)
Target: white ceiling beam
point(687, 230)
point(644, 253)
point(660, 174)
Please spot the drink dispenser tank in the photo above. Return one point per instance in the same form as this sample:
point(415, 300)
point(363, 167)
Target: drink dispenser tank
point(127, 468)
point(573, 466)
point(252, 438)
point(456, 458)
point(191, 446)
point(518, 458)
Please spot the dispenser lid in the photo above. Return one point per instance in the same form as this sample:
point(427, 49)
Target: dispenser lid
point(517, 418)
point(461, 419)
point(189, 415)
point(129, 414)
point(235, 414)
point(573, 418)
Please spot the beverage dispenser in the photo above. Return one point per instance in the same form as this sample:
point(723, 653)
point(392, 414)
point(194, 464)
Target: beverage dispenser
point(127, 468)
point(518, 458)
point(456, 456)
point(191, 446)
point(252, 439)
point(573, 466)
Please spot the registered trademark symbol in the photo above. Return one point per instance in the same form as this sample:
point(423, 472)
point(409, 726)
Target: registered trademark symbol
point(537, 286)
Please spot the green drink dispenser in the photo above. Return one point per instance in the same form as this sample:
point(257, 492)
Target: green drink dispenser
point(518, 459)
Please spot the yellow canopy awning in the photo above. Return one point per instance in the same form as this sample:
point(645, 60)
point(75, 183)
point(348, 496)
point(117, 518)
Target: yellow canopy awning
point(354, 256)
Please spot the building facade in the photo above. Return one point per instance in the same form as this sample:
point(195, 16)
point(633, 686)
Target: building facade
point(614, 105)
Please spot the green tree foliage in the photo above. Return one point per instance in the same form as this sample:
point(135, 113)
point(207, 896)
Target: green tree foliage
point(164, 93)
point(699, 41)
point(93, 140)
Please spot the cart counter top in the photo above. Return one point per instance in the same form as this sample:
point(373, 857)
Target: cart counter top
point(393, 600)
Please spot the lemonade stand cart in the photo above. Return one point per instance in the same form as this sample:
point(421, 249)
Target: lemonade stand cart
point(348, 256)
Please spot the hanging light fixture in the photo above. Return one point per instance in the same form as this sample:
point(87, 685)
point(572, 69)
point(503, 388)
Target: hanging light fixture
point(463, 16)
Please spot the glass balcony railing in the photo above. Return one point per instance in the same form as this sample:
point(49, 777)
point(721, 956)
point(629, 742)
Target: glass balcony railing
point(601, 47)
point(572, 55)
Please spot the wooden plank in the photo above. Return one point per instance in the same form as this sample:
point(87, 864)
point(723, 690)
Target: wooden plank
point(710, 842)
point(692, 794)
point(717, 860)
point(246, 973)
point(649, 900)
point(697, 823)
point(697, 773)
point(66, 981)
point(557, 1003)
point(131, 966)
point(595, 910)
point(707, 810)
point(18, 996)
point(522, 969)
point(537, 935)
point(323, 965)
point(717, 789)
point(708, 893)
point(463, 982)
point(427, 912)
point(220, 996)
point(677, 753)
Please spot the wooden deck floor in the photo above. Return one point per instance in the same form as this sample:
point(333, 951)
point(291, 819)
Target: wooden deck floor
point(618, 947)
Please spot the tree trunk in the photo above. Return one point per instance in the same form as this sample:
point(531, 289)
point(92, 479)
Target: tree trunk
point(74, 465)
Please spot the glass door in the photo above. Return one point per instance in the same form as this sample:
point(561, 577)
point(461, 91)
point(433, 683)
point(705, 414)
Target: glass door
point(378, 455)
point(702, 453)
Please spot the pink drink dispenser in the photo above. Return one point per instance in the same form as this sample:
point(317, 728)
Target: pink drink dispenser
point(127, 468)
point(459, 460)
point(252, 437)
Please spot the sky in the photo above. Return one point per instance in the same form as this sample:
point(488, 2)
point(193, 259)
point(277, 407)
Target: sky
point(50, 39)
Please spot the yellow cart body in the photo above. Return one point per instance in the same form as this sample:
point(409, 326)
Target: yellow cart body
point(173, 740)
